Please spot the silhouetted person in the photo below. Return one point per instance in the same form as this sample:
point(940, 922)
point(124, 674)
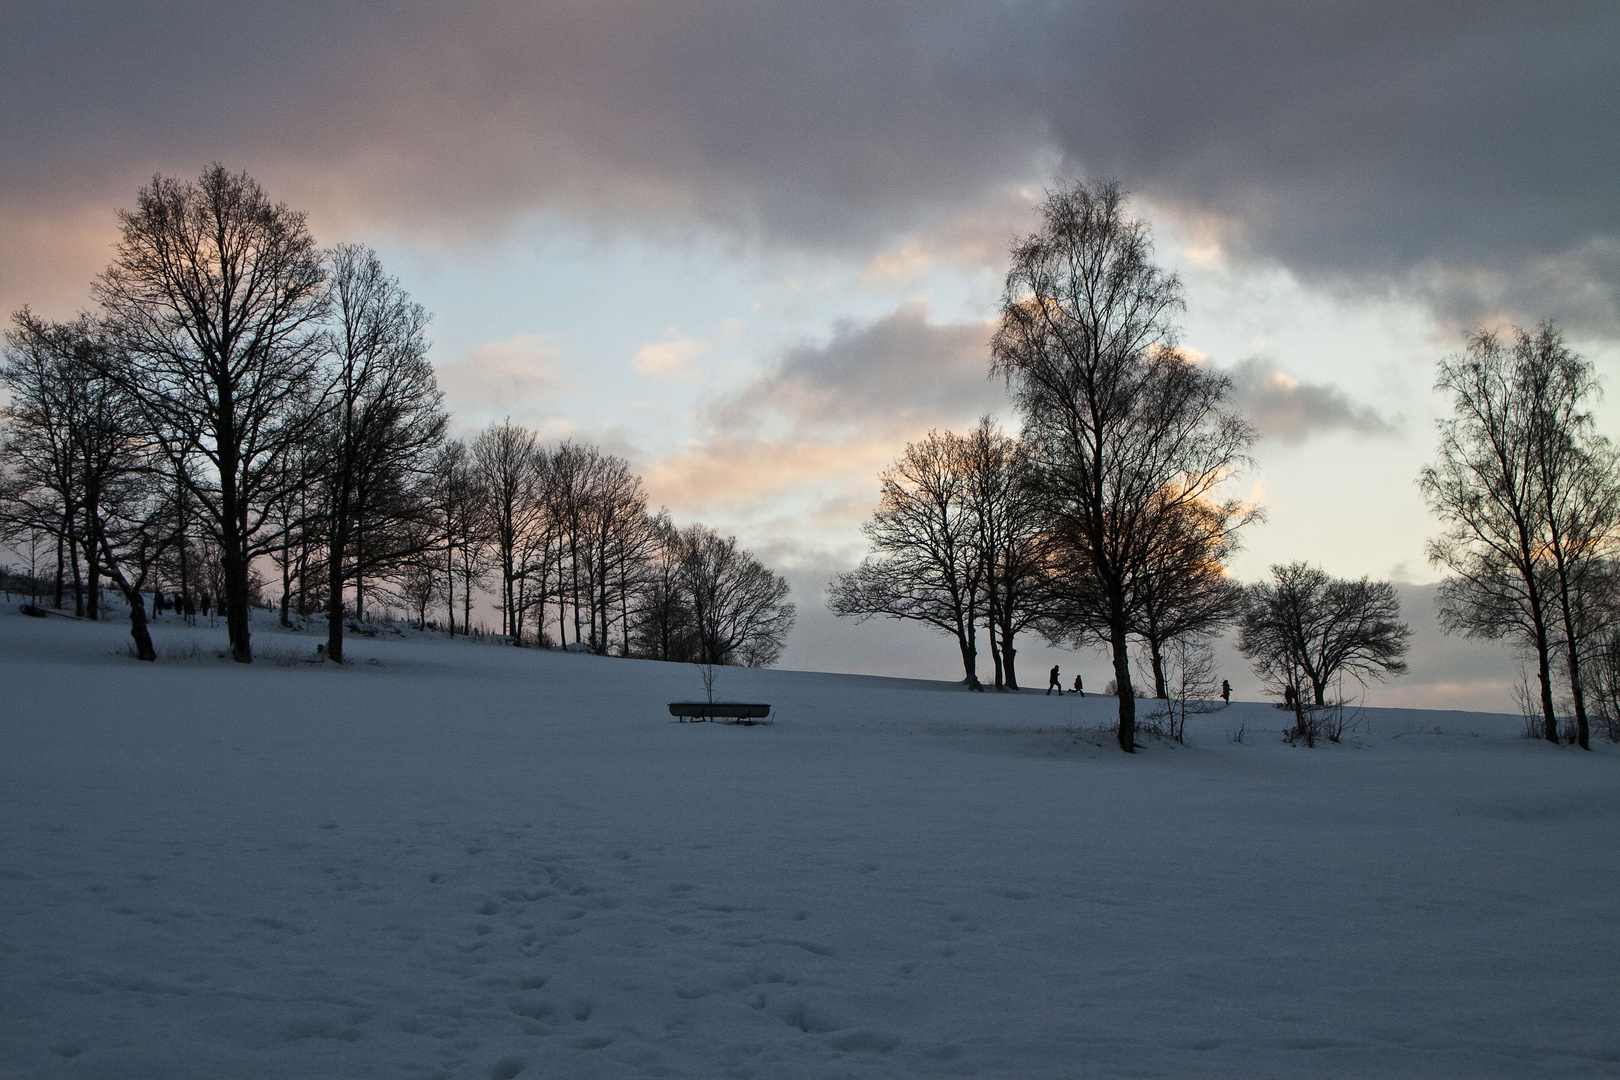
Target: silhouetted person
point(191, 612)
point(1079, 687)
point(204, 605)
point(1054, 683)
point(159, 605)
point(1226, 692)
point(1289, 693)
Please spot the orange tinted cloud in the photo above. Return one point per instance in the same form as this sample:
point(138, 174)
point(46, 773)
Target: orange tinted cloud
point(734, 473)
point(491, 378)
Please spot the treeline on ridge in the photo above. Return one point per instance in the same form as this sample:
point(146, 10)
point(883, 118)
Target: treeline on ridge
point(1103, 523)
point(242, 401)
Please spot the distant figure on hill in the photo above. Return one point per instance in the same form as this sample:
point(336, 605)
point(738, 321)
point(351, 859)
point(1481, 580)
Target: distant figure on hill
point(191, 612)
point(1079, 687)
point(1226, 692)
point(1289, 693)
point(1054, 683)
point(159, 605)
point(204, 605)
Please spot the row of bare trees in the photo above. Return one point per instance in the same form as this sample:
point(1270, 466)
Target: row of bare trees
point(242, 399)
point(566, 537)
point(236, 387)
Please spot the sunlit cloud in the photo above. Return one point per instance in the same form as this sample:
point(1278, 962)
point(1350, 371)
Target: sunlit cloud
point(670, 360)
point(505, 377)
point(736, 473)
point(975, 238)
point(49, 255)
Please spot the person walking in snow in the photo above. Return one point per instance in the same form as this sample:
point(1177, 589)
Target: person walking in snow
point(1054, 683)
point(1226, 692)
point(1079, 687)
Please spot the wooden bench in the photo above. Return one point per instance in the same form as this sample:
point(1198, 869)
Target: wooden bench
point(710, 710)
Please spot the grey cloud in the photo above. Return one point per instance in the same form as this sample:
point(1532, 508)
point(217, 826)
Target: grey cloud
point(896, 373)
point(1290, 411)
point(1463, 150)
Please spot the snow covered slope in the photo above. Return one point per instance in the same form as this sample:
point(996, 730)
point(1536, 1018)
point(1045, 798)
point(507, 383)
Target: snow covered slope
point(465, 860)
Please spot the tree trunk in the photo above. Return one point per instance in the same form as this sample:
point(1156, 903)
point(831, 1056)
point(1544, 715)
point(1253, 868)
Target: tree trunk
point(1583, 737)
point(466, 604)
point(334, 600)
point(92, 607)
point(138, 629)
point(1161, 688)
point(1118, 641)
point(1008, 653)
point(237, 598)
point(995, 655)
point(61, 572)
point(1549, 726)
point(78, 577)
point(286, 589)
point(970, 659)
point(450, 585)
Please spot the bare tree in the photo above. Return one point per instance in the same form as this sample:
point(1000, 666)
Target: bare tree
point(1009, 535)
point(48, 370)
point(215, 298)
point(1303, 627)
point(383, 423)
point(614, 527)
point(740, 610)
point(1187, 668)
point(662, 623)
point(1125, 432)
point(926, 565)
point(1576, 477)
point(1528, 489)
point(508, 463)
point(1186, 593)
point(460, 500)
point(71, 443)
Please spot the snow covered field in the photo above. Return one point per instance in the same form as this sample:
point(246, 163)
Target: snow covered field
point(463, 860)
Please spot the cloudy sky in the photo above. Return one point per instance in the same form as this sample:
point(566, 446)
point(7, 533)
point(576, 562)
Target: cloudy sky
point(755, 248)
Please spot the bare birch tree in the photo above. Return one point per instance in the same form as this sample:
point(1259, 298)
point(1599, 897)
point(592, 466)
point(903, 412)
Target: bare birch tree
point(1125, 432)
point(1528, 489)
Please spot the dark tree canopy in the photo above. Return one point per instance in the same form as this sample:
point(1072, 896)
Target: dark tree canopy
point(1126, 433)
point(927, 566)
point(215, 298)
point(1302, 628)
point(1529, 493)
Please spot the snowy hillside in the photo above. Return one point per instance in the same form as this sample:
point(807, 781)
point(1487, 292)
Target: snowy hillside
point(463, 860)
